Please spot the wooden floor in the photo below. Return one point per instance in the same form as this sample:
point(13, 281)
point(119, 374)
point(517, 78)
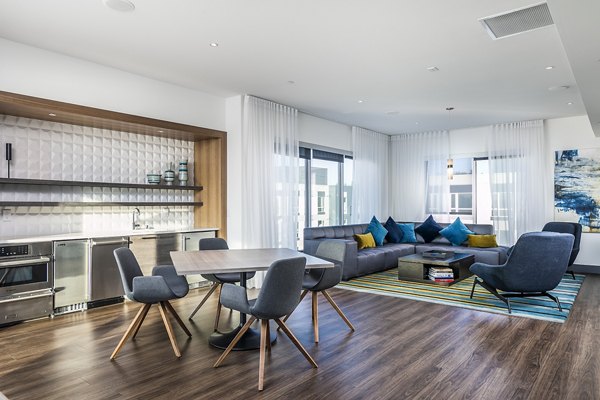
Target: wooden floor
point(402, 349)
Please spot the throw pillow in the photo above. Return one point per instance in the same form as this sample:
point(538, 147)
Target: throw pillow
point(482, 241)
point(377, 230)
point(394, 234)
point(456, 232)
point(364, 240)
point(429, 229)
point(408, 233)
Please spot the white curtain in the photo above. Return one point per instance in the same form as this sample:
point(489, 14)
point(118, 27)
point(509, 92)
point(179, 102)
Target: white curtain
point(518, 159)
point(418, 175)
point(270, 176)
point(370, 176)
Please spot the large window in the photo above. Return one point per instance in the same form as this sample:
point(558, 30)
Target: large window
point(325, 189)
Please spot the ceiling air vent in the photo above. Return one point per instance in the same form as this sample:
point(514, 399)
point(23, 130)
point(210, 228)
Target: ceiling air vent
point(517, 21)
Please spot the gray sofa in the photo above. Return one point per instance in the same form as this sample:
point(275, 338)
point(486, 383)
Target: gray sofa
point(366, 261)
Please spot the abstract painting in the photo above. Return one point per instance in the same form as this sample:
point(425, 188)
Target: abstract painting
point(577, 187)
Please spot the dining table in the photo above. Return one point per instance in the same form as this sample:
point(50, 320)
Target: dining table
point(242, 261)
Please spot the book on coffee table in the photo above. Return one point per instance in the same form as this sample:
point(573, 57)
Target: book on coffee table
point(437, 254)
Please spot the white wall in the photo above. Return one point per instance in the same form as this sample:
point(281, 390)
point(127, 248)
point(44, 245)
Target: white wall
point(319, 131)
point(235, 206)
point(40, 73)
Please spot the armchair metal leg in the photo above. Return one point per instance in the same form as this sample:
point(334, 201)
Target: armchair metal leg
point(572, 274)
point(235, 340)
point(556, 300)
point(177, 318)
point(296, 342)
point(134, 326)
point(211, 290)
point(493, 291)
point(163, 313)
point(473, 288)
point(339, 311)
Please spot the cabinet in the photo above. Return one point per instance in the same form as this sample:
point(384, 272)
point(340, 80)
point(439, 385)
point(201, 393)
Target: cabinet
point(71, 259)
point(153, 250)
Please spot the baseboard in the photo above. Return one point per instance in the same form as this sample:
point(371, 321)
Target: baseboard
point(586, 269)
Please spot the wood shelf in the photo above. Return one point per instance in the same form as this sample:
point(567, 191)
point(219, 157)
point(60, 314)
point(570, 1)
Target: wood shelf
point(96, 203)
point(43, 182)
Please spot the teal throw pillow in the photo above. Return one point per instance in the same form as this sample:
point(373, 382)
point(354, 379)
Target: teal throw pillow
point(377, 230)
point(408, 233)
point(456, 232)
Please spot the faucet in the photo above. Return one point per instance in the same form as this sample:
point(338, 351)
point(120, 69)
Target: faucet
point(134, 221)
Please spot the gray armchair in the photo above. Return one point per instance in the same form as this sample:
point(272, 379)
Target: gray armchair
point(279, 295)
point(535, 266)
point(162, 286)
point(574, 229)
point(319, 280)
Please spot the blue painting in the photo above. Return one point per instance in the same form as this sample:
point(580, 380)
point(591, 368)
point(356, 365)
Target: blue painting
point(577, 187)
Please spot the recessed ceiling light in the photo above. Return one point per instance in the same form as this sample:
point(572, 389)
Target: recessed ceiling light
point(52, 115)
point(393, 112)
point(433, 69)
point(214, 44)
point(570, 103)
point(291, 82)
point(449, 108)
point(119, 5)
point(549, 67)
point(160, 131)
point(416, 123)
point(558, 88)
point(360, 101)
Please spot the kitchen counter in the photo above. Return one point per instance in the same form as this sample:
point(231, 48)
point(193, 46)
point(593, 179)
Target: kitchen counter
point(90, 235)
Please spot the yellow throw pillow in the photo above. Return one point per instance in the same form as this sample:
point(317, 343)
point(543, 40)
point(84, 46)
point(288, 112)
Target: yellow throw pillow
point(365, 240)
point(482, 241)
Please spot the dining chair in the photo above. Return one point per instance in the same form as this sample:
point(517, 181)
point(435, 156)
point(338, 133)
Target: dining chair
point(162, 286)
point(217, 279)
point(279, 295)
point(318, 280)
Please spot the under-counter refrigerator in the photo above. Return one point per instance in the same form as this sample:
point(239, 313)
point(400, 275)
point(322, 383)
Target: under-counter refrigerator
point(70, 275)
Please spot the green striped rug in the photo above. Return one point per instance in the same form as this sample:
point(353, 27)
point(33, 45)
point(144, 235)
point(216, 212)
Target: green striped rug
point(386, 283)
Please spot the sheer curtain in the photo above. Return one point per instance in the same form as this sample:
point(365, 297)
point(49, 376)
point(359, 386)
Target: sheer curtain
point(270, 176)
point(370, 176)
point(418, 175)
point(517, 158)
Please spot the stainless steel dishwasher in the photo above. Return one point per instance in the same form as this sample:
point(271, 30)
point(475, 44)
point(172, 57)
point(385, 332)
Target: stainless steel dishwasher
point(71, 258)
point(153, 250)
point(105, 281)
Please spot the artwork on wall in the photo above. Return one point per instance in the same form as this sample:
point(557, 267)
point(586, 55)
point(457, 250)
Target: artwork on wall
point(577, 187)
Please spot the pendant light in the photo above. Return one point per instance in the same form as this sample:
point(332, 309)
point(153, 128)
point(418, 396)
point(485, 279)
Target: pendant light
point(450, 163)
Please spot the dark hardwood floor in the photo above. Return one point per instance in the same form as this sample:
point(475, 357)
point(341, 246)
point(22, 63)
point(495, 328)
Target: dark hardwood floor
point(402, 349)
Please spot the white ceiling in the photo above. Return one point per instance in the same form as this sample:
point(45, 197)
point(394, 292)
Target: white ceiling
point(336, 51)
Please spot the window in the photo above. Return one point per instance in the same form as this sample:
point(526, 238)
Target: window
point(325, 189)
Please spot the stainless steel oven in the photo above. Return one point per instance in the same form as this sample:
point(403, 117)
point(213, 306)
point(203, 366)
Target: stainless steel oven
point(26, 278)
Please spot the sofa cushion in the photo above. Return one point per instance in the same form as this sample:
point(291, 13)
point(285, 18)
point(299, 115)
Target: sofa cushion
point(370, 260)
point(364, 240)
point(394, 234)
point(377, 230)
point(456, 232)
point(429, 229)
point(395, 250)
point(482, 241)
point(408, 233)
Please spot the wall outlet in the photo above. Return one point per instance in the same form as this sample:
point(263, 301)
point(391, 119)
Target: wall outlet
point(6, 214)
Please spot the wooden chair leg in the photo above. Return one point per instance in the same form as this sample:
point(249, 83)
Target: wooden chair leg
point(176, 316)
point(133, 326)
point(315, 315)
point(235, 340)
point(339, 311)
point(268, 336)
point(163, 313)
point(264, 339)
point(219, 306)
point(211, 290)
point(296, 342)
point(142, 318)
point(302, 296)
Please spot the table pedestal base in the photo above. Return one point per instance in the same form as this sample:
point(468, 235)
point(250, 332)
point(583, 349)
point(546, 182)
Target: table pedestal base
point(250, 340)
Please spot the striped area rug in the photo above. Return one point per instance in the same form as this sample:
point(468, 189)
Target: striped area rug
point(386, 283)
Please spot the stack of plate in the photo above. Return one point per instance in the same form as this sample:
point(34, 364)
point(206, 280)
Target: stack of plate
point(153, 179)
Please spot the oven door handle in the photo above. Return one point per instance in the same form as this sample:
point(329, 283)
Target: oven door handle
point(110, 242)
point(20, 298)
point(28, 261)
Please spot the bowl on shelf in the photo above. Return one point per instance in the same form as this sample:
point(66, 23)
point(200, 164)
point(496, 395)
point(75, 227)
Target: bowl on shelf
point(153, 179)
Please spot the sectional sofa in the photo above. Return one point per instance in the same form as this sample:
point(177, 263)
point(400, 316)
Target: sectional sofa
point(366, 261)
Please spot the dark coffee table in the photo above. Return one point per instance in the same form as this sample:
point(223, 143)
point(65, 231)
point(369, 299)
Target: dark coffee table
point(415, 267)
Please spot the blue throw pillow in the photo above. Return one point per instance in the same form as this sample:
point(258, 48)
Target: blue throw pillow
point(429, 229)
point(408, 233)
point(456, 232)
point(377, 230)
point(394, 234)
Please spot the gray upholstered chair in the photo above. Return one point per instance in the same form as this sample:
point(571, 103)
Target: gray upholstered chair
point(162, 286)
point(279, 295)
point(319, 280)
point(217, 279)
point(574, 229)
point(535, 266)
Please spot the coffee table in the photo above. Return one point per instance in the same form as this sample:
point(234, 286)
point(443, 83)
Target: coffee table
point(415, 267)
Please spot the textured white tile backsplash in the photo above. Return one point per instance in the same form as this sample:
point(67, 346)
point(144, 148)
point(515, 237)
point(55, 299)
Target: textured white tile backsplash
point(47, 150)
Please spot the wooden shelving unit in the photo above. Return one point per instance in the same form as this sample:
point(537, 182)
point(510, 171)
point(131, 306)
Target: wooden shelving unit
point(43, 182)
point(97, 203)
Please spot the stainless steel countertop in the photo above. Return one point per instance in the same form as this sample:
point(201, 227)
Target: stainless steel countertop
point(90, 235)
